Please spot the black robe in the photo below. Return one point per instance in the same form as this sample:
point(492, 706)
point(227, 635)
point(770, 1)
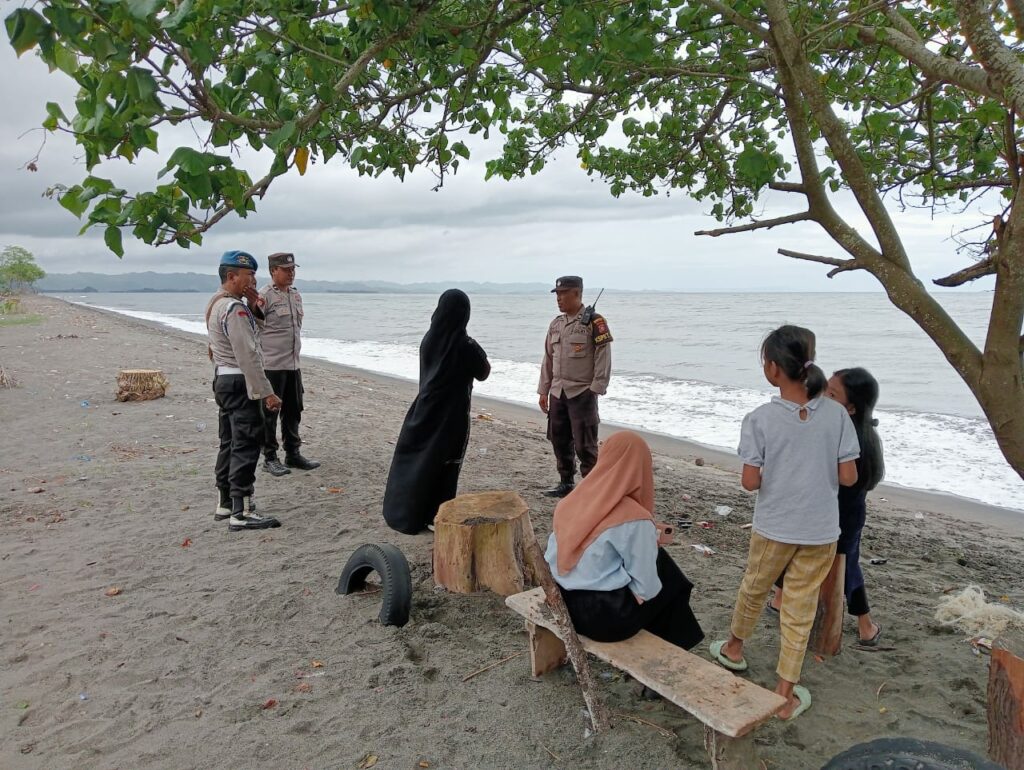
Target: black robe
point(428, 456)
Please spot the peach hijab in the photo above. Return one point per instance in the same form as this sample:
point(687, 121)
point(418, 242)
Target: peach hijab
point(620, 488)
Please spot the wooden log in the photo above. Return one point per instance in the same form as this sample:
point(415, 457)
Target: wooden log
point(1006, 702)
point(731, 753)
point(827, 633)
point(599, 720)
point(141, 384)
point(480, 543)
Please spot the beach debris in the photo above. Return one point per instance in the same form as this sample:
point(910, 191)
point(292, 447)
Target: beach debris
point(269, 703)
point(369, 760)
point(34, 490)
point(961, 560)
point(303, 687)
point(83, 696)
point(469, 676)
point(141, 385)
point(748, 525)
point(199, 713)
point(982, 644)
point(485, 417)
point(317, 664)
point(113, 591)
point(723, 510)
point(877, 561)
point(200, 426)
point(335, 490)
point(483, 450)
point(699, 462)
point(706, 524)
point(702, 549)
point(187, 541)
point(683, 523)
point(883, 710)
point(7, 380)
point(425, 763)
point(665, 732)
point(687, 498)
point(85, 404)
point(878, 692)
point(82, 458)
point(968, 611)
point(185, 507)
point(22, 704)
point(919, 516)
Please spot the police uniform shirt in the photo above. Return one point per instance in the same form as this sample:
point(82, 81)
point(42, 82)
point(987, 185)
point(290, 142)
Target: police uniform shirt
point(235, 343)
point(282, 327)
point(576, 357)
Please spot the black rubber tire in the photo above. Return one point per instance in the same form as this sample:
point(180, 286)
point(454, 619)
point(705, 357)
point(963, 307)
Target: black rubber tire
point(908, 754)
point(395, 579)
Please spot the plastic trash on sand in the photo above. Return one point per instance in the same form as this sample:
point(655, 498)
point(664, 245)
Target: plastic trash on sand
point(723, 510)
point(703, 549)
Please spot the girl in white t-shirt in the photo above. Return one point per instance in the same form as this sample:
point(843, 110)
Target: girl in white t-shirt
point(796, 451)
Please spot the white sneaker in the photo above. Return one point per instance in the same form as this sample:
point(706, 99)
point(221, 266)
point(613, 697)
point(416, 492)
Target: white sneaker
point(240, 521)
point(222, 512)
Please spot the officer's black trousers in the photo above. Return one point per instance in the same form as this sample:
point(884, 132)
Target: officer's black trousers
point(572, 430)
point(241, 435)
point(287, 385)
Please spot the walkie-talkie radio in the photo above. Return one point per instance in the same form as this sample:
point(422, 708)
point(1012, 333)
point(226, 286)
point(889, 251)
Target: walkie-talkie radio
point(588, 313)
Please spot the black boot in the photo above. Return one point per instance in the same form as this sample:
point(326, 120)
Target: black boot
point(223, 510)
point(274, 467)
point(564, 487)
point(298, 461)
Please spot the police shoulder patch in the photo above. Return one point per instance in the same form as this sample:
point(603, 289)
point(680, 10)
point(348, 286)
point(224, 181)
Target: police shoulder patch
point(602, 335)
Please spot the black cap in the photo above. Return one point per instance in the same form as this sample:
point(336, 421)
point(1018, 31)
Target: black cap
point(281, 259)
point(568, 282)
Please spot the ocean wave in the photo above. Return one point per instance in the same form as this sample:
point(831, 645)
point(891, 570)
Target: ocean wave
point(934, 452)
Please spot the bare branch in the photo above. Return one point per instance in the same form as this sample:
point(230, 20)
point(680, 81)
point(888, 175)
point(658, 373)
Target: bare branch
point(1002, 65)
point(727, 12)
point(793, 187)
point(979, 270)
point(845, 264)
point(764, 224)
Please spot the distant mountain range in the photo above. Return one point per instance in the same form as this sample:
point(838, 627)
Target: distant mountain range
point(197, 282)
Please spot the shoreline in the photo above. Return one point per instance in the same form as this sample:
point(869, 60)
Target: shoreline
point(906, 498)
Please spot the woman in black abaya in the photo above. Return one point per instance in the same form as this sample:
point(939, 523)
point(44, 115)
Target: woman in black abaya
point(428, 455)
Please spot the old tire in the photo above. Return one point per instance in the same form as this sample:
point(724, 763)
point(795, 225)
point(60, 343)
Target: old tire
point(395, 580)
point(908, 753)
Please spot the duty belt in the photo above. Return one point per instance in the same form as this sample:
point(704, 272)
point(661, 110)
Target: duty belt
point(228, 370)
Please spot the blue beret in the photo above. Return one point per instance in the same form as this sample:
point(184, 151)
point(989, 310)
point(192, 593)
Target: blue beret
point(239, 259)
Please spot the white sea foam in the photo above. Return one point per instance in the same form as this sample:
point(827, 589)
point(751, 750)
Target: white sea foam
point(936, 452)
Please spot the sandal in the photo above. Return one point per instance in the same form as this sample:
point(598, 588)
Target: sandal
point(804, 696)
point(719, 657)
point(873, 641)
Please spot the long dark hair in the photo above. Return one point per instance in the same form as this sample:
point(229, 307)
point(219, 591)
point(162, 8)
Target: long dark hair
point(862, 394)
point(792, 349)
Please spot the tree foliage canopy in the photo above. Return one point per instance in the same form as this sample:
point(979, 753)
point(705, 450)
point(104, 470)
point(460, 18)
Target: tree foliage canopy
point(18, 269)
point(887, 103)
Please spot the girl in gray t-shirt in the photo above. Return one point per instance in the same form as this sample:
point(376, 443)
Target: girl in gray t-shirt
point(796, 451)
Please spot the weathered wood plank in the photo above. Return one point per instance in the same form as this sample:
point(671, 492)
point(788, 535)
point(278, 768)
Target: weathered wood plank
point(725, 703)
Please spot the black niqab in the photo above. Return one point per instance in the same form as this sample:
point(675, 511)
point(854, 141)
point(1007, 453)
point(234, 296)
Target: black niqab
point(431, 446)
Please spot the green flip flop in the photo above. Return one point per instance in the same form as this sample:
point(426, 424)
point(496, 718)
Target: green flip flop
point(804, 696)
point(719, 657)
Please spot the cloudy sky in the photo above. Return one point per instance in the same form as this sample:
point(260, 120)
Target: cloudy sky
point(343, 227)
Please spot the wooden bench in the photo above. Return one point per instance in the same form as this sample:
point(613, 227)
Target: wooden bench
point(730, 707)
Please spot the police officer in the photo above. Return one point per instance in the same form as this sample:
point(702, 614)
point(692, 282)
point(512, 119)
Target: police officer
point(281, 304)
point(241, 389)
point(575, 370)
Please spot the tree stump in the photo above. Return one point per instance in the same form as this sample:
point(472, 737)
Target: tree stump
point(1006, 702)
point(141, 384)
point(827, 633)
point(480, 543)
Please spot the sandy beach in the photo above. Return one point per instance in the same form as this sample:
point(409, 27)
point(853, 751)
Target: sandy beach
point(233, 650)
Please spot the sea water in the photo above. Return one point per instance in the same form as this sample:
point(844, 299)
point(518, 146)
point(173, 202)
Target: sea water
point(685, 365)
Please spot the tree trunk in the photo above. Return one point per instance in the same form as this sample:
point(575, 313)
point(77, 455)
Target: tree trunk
point(827, 632)
point(1006, 703)
point(480, 543)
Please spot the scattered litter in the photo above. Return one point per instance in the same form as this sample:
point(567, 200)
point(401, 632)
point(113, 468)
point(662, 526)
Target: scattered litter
point(883, 499)
point(113, 591)
point(982, 644)
point(723, 510)
point(200, 426)
point(918, 515)
point(684, 523)
point(83, 696)
point(301, 675)
point(303, 687)
point(199, 713)
point(269, 703)
point(878, 561)
point(969, 612)
point(335, 490)
point(883, 710)
point(317, 664)
point(83, 458)
point(186, 542)
point(687, 498)
point(485, 417)
point(748, 525)
point(483, 450)
point(35, 587)
point(34, 490)
point(703, 549)
point(368, 760)
point(22, 704)
point(699, 461)
point(706, 524)
point(85, 404)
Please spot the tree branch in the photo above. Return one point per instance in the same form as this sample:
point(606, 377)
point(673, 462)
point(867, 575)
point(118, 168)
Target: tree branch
point(764, 224)
point(793, 187)
point(841, 265)
point(1002, 65)
point(978, 270)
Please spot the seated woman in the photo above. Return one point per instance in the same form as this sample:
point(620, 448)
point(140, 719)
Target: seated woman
point(604, 553)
